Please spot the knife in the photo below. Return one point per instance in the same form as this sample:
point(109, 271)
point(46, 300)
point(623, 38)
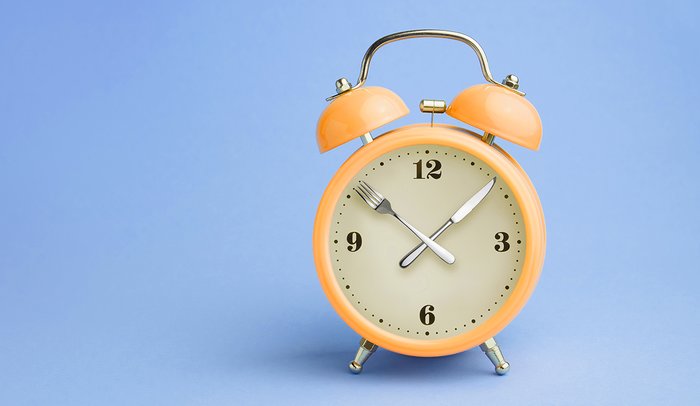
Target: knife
point(460, 214)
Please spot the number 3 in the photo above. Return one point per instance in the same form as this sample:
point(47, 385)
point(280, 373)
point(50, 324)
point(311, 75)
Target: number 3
point(502, 239)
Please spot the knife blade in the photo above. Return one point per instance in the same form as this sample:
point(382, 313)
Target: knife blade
point(467, 207)
point(458, 216)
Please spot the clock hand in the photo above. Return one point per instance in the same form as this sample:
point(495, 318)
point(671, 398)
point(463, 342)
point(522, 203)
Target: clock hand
point(460, 214)
point(376, 201)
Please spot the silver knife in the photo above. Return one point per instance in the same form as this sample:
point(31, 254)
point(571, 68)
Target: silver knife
point(459, 215)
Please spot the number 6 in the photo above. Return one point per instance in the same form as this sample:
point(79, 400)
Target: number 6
point(426, 316)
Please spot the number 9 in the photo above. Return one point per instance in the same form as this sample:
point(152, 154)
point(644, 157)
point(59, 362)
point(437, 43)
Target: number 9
point(355, 240)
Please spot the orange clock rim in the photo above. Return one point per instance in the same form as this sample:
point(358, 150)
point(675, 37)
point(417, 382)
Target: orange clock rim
point(508, 171)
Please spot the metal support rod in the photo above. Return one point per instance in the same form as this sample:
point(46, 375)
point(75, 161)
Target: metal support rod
point(366, 138)
point(363, 353)
point(493, 352)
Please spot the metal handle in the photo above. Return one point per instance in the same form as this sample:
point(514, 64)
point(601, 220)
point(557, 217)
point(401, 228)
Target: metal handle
point(415, 252)
point(364, 69)
point(441, 252)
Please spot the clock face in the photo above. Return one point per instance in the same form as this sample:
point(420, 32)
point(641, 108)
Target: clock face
point(428, 299)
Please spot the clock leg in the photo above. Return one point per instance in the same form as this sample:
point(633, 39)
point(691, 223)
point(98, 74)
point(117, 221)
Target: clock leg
point(363, 354)
point(491, 349)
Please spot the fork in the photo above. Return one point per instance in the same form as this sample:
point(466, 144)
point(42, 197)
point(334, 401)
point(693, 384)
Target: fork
point(379, 203)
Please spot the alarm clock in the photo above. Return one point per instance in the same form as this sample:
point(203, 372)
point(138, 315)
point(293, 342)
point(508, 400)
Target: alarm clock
point(430, 238)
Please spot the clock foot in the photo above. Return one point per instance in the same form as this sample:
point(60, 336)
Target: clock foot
point(363, 354)
point(491, 349)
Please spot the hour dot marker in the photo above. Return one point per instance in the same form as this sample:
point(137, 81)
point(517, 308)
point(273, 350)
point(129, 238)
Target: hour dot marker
point(507, 287)
point(506, 196)
point(473, 321)
point(381, 320)
point(348, 196)
point(427, 152)
point(381, 164)
point(519, 241)
point(472, 164)
point(427, 333)
point(347, 286)
point(335, 241)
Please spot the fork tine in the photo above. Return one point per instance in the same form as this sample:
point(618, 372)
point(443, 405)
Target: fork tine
point(361, 194)
point(374, 192)
point(368, 198)
point(371, 195)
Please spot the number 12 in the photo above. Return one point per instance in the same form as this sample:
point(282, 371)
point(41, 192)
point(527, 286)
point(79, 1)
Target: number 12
point(433, 164)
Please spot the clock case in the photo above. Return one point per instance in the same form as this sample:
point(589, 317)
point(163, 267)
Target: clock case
point(499, 110)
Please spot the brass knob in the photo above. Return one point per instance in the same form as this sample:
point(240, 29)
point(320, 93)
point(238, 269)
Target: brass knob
point(433, 106)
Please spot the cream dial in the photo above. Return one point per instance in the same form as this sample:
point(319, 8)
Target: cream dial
point(429, 299)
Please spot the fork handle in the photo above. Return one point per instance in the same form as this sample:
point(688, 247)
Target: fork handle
point(415, 252)
point(444, 254)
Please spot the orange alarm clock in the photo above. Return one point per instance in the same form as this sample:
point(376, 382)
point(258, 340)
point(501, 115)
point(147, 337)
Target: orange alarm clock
point(430, 238)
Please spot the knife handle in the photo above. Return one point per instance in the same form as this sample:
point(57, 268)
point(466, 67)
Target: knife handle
point(415, 252)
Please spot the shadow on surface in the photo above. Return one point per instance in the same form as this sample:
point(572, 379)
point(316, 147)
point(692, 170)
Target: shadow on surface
point(330, 348)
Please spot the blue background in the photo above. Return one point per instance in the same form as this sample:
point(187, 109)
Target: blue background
point(160, 176)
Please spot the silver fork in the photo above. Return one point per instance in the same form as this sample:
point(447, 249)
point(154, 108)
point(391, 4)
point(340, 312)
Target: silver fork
point(379, 203)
